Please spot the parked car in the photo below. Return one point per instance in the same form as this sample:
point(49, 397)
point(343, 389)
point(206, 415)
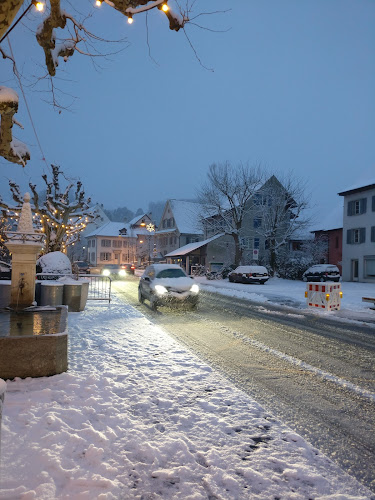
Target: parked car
point(167, 284)
point(83, 267)
point(249, 274)
point(5, 270)
point(322, 272)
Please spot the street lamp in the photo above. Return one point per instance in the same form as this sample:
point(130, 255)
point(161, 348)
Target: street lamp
point(151, 229)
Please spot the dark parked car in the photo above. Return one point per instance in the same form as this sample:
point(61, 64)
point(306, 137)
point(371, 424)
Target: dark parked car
point(322, 272)
point(5, 270)
point(249, 274)
point(167, 284)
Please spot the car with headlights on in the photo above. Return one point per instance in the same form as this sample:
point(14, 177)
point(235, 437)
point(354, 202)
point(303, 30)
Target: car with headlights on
point(167, 285)
point(249, 274)
point(114, 271)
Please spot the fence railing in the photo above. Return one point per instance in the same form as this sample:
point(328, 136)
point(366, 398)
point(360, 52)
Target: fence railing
point(99, 286)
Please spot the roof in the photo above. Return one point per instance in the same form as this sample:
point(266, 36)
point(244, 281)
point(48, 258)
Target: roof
point(112, 230)
point(334, 220)
point(370, 184)
point(190, 247)
point(186, 215)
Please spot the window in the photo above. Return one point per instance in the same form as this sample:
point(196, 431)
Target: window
point(171, 240)
point(116, 243)
point(89, 243)
point(357, 207)
point(257, 223)
point(245, 243)
point(369, 266)
point(372, 234)
point(356, 236)
point(105, 256)
point(256, 243)
point(337, 242)
point(373, 203)
point(164, 223)
point(106, 243)
point(92, 257)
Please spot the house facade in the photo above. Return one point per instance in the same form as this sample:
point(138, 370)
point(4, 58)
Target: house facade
point(120, 243)
point(179, 226)
point(358, 250)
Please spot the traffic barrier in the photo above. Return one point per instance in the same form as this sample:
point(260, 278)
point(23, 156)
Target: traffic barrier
point(325, 296)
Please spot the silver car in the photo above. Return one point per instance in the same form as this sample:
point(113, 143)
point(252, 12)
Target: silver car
point(167, 284)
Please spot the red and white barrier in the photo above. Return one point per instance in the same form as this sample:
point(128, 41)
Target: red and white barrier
point(325, 296)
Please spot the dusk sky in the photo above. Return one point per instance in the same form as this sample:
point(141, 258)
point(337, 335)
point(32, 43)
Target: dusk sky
point(292, 88)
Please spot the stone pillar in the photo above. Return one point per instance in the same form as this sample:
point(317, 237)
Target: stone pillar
point(25, 245)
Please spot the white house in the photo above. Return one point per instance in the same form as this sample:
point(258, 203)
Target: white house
point(119, 242)
point(358, 252)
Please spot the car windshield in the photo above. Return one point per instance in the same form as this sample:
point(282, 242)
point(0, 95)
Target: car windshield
point(171, 273)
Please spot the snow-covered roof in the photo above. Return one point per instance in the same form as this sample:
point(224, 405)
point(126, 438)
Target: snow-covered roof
point(192, 246)
point(359, 186)
point(186, 215)
point(334, 220)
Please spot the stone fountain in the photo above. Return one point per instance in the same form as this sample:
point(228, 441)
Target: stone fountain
point(33, 340)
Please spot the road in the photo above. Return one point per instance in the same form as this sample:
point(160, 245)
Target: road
point(316, 375)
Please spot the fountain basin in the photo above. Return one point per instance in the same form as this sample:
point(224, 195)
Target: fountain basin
point(33, 343)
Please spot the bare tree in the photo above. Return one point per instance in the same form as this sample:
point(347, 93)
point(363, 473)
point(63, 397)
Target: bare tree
point(280, 213)
point(62, 215)
point(72, 37)
point(225, 198)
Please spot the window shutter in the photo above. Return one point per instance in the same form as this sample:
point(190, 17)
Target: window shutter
point(351, 208)
point(362, 235)
point(373, 203)
point(363, 205)
point(373, 234)
point(349, 234)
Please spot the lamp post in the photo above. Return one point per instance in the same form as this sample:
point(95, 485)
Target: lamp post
point(151, 229)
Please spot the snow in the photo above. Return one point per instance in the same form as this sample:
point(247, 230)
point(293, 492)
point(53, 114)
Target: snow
point(192, 246)
point(8, 95)
point(139, 416)
point(186, 214)
point(55, 263)
point(251, 269)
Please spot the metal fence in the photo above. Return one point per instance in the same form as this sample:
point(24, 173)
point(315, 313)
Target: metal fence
point(99, 286)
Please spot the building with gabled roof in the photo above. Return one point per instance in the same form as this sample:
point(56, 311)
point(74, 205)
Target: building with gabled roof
point(179, 226)
point(119, 242)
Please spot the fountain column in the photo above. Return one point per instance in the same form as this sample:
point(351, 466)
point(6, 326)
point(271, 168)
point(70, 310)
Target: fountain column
point(25, 245)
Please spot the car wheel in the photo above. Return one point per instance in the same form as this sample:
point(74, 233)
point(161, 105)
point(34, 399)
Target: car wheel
point(262, 282)
point(153, 303)
point(140, 296)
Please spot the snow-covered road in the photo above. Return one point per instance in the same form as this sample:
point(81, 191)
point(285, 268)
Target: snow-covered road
point(139, 416)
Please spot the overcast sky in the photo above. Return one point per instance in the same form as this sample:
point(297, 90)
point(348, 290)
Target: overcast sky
point(292, 87)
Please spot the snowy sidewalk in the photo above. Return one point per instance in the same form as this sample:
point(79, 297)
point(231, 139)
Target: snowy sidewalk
point(137, 416)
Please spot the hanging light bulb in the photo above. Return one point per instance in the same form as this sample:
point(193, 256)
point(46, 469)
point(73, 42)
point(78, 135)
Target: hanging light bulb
point(130, 19)
point(39, 6)
point(165, 7)
point(98, 3)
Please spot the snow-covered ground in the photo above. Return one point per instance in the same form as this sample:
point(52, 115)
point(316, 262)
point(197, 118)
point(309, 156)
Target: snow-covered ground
point(291, 294)
point(137, 416)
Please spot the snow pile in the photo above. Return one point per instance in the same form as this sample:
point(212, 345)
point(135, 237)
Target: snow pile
point(138, 416)
point(54, 263)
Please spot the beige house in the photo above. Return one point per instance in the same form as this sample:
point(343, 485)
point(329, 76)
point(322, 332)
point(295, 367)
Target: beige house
point(119, 242)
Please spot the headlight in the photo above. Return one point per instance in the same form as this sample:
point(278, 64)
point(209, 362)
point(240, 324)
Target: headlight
point(122, 272)
point(160, 289)
point(106, 272)
point(194, 289)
